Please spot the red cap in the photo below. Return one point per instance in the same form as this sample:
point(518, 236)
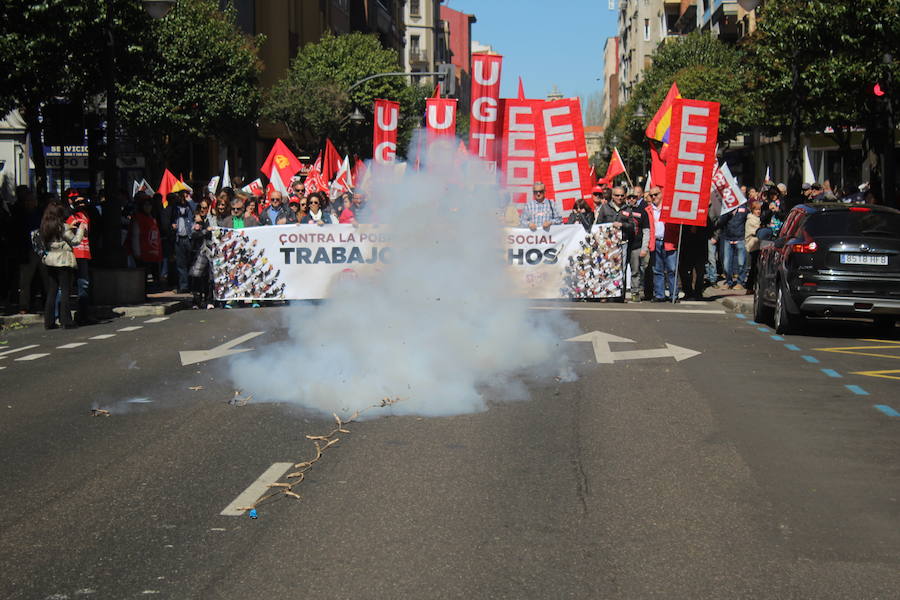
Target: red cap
point(597, 190)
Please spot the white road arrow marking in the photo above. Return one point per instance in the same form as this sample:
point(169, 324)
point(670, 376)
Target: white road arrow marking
point(189, 357)
point(604, 355)
point(601, 343)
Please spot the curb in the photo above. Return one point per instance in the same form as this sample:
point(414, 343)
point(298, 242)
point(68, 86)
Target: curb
point(738, 304)
point(155, 309)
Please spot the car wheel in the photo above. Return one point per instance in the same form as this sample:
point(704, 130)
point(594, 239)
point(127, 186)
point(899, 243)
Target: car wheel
point(885, 325)
point(785, 322)
point(761, 312)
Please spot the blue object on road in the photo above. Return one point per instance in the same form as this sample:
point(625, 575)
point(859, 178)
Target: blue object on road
point(857, 390)
point(887, 410)
point(810, 359)
point(777, 338)
point(253, 514)
point(831, 373)
point(792, 347)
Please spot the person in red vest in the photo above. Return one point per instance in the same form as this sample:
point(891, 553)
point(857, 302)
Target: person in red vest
point(82, 252)
point(146, 244)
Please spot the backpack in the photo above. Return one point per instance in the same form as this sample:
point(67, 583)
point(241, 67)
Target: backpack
point(37, 243)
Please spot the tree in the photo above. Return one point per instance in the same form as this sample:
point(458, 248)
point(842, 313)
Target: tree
point(704, 68)
point(199, 79)
point(818, 61)
point(55, 49)
point(312, 100)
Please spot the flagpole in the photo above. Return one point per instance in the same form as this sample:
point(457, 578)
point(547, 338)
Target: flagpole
point(677, 260)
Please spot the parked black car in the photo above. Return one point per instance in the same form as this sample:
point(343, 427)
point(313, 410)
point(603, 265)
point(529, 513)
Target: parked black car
point(830, 259)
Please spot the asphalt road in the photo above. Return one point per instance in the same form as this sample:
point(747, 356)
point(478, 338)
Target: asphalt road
point(750, 470)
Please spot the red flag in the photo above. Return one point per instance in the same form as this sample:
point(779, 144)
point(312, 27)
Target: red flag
point(384, 138)
point(437, 91)
point(359, 170)
point(165, 186)
point(484, 123)
point(689, 172)
point(280, 166)
point(593, 176)
point(520, 95)
point(616, 166)
point(331, 164)
point(440, 117)
point(315, 181)
point(519, 147)
point(562, 151)
point(657, 167)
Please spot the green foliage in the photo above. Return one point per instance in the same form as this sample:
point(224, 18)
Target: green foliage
point(312, 99)
point(199, 77)
point(837, 47)
point(705, 68)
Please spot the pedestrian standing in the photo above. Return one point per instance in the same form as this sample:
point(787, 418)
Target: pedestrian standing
point(146, 243)
point(181, 219)
point(539, 210)
point(82, 254)
point(26, 217)
point(638, 225)
point(317, 215)
point(664, 252)
point(751, 242)
point(734, 253)
point(58, 238)
point(581, 214)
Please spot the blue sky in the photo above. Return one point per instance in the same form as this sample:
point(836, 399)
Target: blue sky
point(547, 43)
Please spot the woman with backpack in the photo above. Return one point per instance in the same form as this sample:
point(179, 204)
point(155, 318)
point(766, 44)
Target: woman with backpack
point(59, 238)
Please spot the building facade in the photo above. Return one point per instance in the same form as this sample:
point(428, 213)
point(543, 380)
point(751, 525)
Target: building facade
point(458, 32)
point(610, 92)
point(643, 25)
point(425, 46)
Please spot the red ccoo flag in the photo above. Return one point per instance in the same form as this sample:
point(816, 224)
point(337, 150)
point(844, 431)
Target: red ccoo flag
point(520, 95)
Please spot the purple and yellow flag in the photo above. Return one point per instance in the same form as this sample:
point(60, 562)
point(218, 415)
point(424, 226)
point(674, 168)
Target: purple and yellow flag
point(659, 126)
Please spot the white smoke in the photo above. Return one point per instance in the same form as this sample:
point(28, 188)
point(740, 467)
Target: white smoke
point(438, 327)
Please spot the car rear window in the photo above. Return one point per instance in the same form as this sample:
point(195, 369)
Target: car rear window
point(879, 224)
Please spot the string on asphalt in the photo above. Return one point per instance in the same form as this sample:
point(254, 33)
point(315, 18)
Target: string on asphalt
point(321, 443)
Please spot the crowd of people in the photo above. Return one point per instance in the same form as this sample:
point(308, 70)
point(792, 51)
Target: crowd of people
point(50, 239)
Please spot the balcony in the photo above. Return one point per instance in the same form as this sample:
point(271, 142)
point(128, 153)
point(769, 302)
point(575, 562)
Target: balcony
point(418, 57)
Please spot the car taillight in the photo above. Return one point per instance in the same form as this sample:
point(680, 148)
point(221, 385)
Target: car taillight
point(860, 209)
point(807, 248)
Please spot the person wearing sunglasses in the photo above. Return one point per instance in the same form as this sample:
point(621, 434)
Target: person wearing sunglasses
point(609, 212)
point(539, 210)
point(317, 213)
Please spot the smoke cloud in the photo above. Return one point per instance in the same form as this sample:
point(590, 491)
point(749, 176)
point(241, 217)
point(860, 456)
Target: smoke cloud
point(438, 327)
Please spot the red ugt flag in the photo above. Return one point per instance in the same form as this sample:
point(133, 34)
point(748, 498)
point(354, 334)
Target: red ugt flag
point(384, 139)
point(484, 127)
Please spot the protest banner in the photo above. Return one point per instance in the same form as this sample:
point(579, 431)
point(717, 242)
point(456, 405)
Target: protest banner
point(562, 152)
point(294, 262)
point(484, 123)
point(519, 147)
point(691, 161)
point(384, 139)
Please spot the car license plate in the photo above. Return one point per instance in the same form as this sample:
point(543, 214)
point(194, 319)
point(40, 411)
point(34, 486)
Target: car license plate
point(864, 259)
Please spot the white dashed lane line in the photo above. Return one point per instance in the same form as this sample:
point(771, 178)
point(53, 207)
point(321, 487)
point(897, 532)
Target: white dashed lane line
point(132, 328)
point(104, 336)
point(256, 489)
point(5, 353)
point(34, 356)
point(157, 320)
point(71, 345)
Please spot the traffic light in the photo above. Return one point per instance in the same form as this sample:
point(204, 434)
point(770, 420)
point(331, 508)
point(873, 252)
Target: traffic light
point(447, 79)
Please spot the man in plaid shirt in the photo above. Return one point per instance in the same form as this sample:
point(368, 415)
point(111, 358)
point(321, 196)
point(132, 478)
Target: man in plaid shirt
point(540, 211)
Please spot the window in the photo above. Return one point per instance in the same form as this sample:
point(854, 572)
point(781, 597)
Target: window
point(646, 29)
point(414, 44)
point(414, 8)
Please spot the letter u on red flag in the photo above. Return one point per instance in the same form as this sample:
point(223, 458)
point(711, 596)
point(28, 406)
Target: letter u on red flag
point(484, 124)
point(384, 139)
point(440, 117)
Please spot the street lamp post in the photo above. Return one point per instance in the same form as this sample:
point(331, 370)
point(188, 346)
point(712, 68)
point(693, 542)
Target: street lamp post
point(640, 115)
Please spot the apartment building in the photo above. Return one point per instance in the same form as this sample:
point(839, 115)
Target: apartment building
point(425, 46)
point(610, 80)
point(458, 33)
point(643, 25)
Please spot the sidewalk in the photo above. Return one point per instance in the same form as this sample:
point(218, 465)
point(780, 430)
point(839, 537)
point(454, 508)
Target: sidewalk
point(157, 304)
point(733, 301)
